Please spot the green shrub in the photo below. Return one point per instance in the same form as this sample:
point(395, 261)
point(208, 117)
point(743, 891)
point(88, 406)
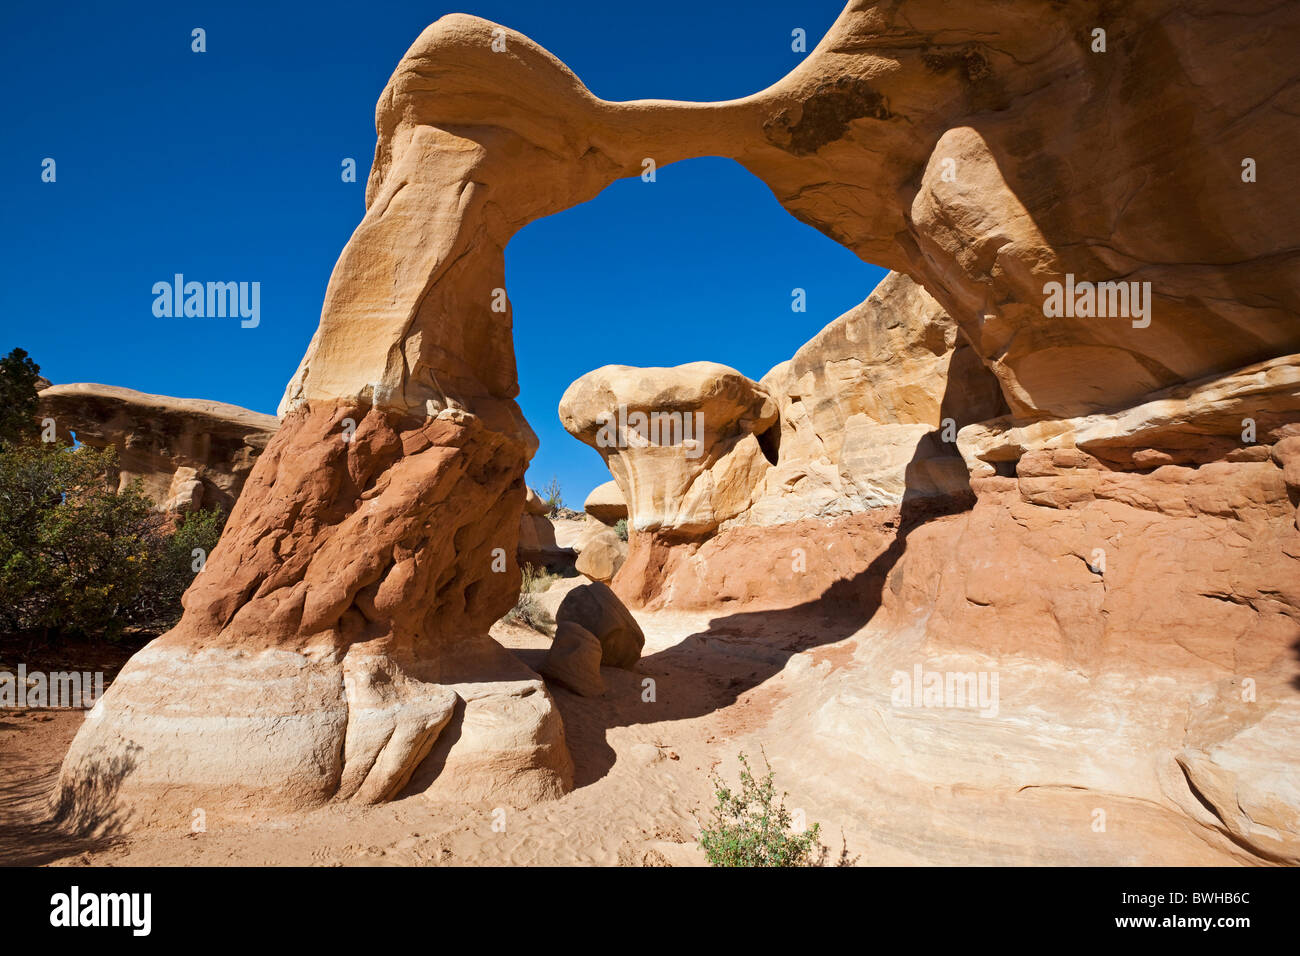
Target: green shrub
point(74, 554)
point(620, 528)
point(173, 566)
point(752, 827)
point(18, 397)
point(78, 557)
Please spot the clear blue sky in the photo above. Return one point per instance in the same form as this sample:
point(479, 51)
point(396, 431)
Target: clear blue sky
point(225, 166)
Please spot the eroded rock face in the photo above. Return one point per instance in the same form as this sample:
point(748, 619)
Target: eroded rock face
point(1142, 629)
point(867, 417)
point(870, 409)
point(982, 149)
point(187, 452)
point(987, 151)
point(333, 634)
point(682, 443)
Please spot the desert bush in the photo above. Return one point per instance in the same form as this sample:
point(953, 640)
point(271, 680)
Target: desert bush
point(553, 497)
point(173, 565)
point(752, 827)
point(620, 528)
point(74, 554)
point(528, 611)
point(80, 558)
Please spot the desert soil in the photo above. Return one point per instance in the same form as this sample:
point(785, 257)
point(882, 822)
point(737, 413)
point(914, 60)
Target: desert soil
point(642, 770)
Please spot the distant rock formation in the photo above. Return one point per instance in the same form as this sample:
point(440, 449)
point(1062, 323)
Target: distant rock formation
point(336, 645)
point(187, 452)
point(865, 416)
point(681, 442)
point(606, 503)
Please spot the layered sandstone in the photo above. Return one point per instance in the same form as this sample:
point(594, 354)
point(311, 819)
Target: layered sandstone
point(1141, 627)
point(187, 452)
point(682, 443)
point(986, 151)
point(865, 416)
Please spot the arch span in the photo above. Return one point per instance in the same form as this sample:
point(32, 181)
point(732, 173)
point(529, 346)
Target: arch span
point(339, 629)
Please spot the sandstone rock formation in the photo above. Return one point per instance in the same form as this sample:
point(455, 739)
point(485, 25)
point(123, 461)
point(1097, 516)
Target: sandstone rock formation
point(537, 545)
point(597, 609)
point(867, 415)
point(601, 554)
point(1141, 627)
point(187, 452)
point(338, 633)
point(534, 505)
point(574, 659)
point(592, 628)
point(606, 503)
point(682, 443)
point(870, 410)
point(537, 542)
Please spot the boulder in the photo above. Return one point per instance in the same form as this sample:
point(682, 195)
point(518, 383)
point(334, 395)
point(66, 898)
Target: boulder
point(537, 544)
point(598, 609)
point(574, 659)
point(606, 503)
point(534, 505)
point(602, 555)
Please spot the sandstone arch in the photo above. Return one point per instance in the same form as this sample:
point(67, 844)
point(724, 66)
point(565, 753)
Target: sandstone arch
point(340, 628)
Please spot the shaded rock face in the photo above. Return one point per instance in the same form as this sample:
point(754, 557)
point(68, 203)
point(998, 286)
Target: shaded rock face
point(188, 453)
point(987, 151)
point(982, 149)
point(871, 407)
point(865, 416)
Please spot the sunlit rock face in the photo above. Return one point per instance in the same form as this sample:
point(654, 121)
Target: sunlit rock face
point(998, 157)
point(188, 453)
point(682, 443)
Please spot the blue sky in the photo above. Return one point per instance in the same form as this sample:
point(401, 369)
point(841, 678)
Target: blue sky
point(225, 166)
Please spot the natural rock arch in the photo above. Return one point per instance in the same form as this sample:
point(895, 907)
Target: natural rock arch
point(337, 637)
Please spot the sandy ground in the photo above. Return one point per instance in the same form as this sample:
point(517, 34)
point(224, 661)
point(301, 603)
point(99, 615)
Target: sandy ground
point(642, 769)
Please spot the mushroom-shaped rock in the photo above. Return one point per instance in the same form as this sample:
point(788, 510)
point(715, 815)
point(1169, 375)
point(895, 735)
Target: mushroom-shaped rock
point(606, 503)
point(682, 443)
point(599, 610)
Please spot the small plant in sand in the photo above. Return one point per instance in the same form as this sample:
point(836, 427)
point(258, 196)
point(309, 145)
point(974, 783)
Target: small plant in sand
point(553, 496)
point(620, 528)
point(528, 611)
point(753, 827)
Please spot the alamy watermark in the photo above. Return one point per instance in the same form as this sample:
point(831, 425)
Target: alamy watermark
point(212, 300)
point(949, 689)
point(623, 429)
point(1100, 300)
point(33, 689)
